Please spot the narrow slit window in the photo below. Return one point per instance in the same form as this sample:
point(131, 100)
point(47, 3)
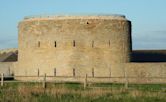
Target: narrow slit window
point(55, 44)
point(93, 74)
point(92, 44)
point(54, 71)
point(74, 74)
point(109, 43)
point(74, 43)
point(38, 73)
point(110, 73)
point(38, 43)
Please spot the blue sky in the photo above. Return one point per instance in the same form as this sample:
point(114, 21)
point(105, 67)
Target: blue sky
point(148, 17)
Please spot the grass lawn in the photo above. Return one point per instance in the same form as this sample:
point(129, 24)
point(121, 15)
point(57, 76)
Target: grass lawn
point(74, 92)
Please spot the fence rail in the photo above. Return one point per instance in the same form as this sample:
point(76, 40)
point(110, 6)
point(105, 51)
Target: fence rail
point(85, 80)
point(84, 77)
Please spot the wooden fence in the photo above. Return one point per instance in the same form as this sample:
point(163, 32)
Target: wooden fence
point(43, 79)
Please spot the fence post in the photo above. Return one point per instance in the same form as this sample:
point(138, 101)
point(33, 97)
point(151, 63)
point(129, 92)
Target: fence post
point(126, 79)
point(2, 79)
point(44, 81)
point(9, 70)
point(85, 81)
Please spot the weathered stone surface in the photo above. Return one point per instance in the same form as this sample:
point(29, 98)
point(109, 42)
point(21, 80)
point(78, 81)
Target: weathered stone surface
point(72, 46)
point(6, 68)
point(99, 42)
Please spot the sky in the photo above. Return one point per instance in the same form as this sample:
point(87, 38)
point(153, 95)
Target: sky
point(148, 17)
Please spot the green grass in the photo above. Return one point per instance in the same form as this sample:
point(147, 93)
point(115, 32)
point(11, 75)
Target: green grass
point(74, 92)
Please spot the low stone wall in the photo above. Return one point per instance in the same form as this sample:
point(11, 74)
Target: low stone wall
point(7, 68)
point(117, 73)
point(146, 69)
point(146, 72)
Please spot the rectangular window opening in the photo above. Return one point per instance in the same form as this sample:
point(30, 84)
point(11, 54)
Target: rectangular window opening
point(54, 71)
point(38, 43)
point(74, 43)
point(92, 44)
point(93, 74)
point(110, 72)
point(74, 74)
point(38, 73)
point(55, 44)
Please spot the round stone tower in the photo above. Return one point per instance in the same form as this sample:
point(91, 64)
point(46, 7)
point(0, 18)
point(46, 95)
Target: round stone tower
point(73, 45)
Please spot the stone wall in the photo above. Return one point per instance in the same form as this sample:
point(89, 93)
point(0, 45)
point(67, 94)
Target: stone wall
point(133, 72)
point(146, 72)
point(73, 43)
point(7, 68)
point(71, 47)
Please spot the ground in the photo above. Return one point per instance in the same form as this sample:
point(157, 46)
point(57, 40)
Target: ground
point(74, 92)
